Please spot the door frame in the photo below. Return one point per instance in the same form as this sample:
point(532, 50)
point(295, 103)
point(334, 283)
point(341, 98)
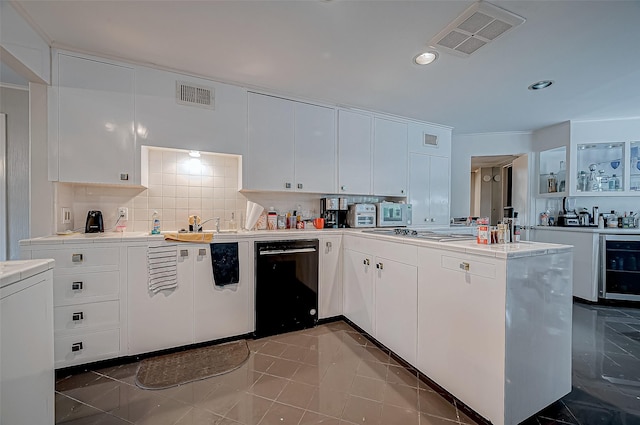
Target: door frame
point(3, 187)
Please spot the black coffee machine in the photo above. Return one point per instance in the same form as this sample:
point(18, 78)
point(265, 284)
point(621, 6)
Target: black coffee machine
point(334, 212)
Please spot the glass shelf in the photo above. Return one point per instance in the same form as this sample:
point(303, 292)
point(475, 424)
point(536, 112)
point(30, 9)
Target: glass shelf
point(600, 167)
point(552, 171)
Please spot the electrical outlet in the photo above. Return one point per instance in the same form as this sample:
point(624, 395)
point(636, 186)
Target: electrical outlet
point(123, 213)
point(66, 215)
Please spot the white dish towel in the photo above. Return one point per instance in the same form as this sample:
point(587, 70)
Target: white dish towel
point(163, 267)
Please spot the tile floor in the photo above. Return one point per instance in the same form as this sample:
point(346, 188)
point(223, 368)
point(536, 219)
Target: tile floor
point(333, 375)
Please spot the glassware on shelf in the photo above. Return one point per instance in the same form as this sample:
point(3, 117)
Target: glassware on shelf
point(562, 177)
point(583, 182)
point(552, 183)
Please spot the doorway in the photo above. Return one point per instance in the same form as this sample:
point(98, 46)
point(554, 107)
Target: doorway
point(497, 184)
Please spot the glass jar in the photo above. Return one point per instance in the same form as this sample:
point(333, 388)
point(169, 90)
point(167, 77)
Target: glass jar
point(552, 183)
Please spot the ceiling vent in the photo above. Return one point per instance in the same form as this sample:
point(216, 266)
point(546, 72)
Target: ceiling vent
point(430, 140)
point(480, 24)
point(195, 95)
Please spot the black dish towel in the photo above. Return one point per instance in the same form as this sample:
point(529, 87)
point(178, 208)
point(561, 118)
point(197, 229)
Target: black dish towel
point(224, 259)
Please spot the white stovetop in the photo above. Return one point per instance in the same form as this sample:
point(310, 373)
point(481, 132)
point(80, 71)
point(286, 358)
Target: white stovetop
point(15, 271)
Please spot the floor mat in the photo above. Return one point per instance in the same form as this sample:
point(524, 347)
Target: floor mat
point(169, 370)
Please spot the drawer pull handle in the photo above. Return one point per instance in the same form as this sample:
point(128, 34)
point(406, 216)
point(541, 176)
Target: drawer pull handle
point(299, 185)
point(464, 266)
point(366, 262)
point(380, 266)
point(184, 252)
point(77, 286)
point(77, 258)
point(329, 245)
point(76, 347)
point(77, 316)
point(202, 252)
point(287, 185)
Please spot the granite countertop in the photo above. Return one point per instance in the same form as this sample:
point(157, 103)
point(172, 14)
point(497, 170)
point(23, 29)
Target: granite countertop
point(15, 271)
point(510, 250)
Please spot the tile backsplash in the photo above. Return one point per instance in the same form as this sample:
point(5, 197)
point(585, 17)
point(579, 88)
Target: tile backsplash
point(179, 186)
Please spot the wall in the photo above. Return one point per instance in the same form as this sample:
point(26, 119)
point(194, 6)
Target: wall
point(465, 146)
point(41, 194)
point(15, 103)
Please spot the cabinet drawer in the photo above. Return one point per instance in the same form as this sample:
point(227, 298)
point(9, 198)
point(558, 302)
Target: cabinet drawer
point(84, 287)
point(466, 265)
point(81, 257)
point(87, 316)
point(86, 347)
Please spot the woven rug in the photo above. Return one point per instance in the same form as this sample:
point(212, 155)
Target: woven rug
point(169, 370)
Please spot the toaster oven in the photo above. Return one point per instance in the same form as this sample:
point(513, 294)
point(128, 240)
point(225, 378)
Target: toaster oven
point(361, 215)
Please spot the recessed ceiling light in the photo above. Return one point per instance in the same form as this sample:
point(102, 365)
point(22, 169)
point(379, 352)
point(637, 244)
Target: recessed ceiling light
point(540, 85)
point(194, 154)
point(425, 58)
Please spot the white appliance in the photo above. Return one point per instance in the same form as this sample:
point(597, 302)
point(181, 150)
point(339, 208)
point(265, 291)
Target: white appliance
point(392, 214)
point(361, 215)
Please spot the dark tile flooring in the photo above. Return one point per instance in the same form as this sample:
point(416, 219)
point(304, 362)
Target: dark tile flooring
point(333, 375)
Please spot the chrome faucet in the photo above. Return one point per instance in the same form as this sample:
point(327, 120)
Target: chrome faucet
point(197, 227)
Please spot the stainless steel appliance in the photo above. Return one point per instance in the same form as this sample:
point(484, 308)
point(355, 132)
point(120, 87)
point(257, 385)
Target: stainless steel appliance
point(94, 222)
point(361, 215)
point(334, 212)
point(620, 267)
point(286, 286)
point(568, 217)
point(392, 214)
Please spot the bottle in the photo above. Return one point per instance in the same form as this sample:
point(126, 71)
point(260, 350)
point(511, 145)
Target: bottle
point(232, 222)
point(272, 219)
point(552, 183)
point(600, 222)
point(155, 219)
point(562, 176)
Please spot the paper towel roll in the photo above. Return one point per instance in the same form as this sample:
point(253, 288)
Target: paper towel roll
point(253, 213)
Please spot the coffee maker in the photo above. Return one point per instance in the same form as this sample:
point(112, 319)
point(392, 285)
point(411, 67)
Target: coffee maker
point(334, 212)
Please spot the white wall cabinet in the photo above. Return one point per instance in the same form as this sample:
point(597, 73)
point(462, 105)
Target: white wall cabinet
point(292, 146)
point(163, 121)
point(354, 152)
point(92, 122)
point(429, 189)
point(196, 311)
point(330, 278)
point(390, 157)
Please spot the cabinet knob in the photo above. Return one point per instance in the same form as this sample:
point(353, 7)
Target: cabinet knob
point(77, 258)
point(202, 252)
point(426, 219)
point(124, 176)
point(76, 346)
point(77, 316)
point(184, 252)
point(287, 185)
point(343, 188)
point(299, 185)
point(433, 219)
point(380, 266)
point(366, 262)
point(464, 266)
point(76, 286)
point(328, 245)
point(402, 191)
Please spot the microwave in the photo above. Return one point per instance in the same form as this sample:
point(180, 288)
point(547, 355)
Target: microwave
point(392, 214)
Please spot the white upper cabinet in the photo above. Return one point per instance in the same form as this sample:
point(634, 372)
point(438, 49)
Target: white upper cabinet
point(429, 181)
point(315, 148)
point(354, 152)
point(292, 146)
point(389, 157)
point(213, 121)
point(429, 138)
point(92, 122)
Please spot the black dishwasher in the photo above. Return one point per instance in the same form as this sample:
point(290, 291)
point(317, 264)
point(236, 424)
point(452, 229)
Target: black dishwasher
point(286, 286)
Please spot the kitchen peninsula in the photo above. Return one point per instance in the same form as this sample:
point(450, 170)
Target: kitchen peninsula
point(489, 324)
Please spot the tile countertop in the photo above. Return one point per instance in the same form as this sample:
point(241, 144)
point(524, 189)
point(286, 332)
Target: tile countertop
point(606, 230)
point(510, 250)
point(15, 271)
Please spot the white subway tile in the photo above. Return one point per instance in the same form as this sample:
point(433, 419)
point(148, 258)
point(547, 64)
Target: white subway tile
point(140, 202)
point(155, 190)
point(182, 203)
point(168, 179)
point(207, 192)
point(168, 157)
point(195, 203)
point(155, 202)
point(207, 203)
point(168, 214)
point(168, 190)
point(195, 192)
point(195, 181)
point(170, 167)
point(207, 181)
point(182, 191)
point(182, 180)
point(230, 193)
point(218, 171)
point(168, 202)
point(155, 178)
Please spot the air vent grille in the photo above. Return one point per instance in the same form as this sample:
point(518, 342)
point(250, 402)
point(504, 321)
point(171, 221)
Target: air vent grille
point(477, 26)
point(195, 95)
point(430, 140)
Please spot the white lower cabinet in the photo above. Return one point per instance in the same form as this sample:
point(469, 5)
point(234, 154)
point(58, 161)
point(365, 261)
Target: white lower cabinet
point(380, 289)
point(330, 277)
point(196, 311)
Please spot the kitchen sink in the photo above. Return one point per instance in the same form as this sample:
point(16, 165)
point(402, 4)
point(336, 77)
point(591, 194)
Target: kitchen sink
point(421, 234)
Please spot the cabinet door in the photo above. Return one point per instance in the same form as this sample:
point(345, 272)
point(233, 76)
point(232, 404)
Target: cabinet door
point(396, 309)
point(221, 311)
point(315, 148)
point(330, 285)
point(164, 319)
point(358, 289)
point(389, 157)
point(95, 122)
point(461, 323)
point(439, 190)
point(271, 143)
point(354, 153)
point(419, 193)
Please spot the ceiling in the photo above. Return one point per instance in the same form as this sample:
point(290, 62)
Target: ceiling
point(359, 53)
